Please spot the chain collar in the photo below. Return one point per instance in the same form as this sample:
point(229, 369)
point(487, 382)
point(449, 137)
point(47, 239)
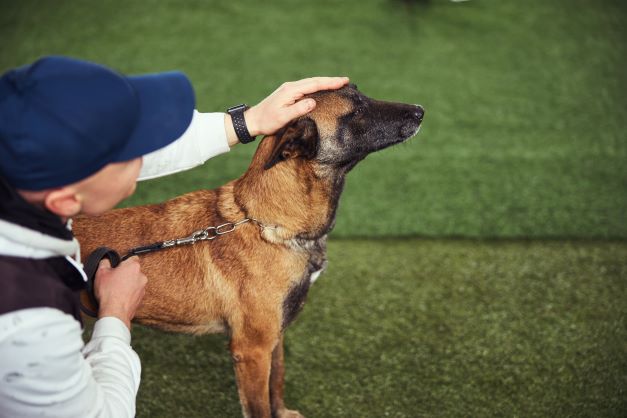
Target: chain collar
point(207, 234)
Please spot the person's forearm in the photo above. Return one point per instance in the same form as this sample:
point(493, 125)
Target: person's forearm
point(115, 367)
point(205, 138)
point(231, 136)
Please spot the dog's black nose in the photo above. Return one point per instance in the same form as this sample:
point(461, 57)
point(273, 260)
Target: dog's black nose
point(419, 112)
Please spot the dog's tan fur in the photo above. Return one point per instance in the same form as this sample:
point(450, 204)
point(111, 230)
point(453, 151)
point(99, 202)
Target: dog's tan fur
point(239, 282)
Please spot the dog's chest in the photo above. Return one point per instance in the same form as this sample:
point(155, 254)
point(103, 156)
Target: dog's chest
point(317, 262)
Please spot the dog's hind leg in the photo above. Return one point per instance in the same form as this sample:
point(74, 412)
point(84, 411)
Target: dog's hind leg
point(277, 376)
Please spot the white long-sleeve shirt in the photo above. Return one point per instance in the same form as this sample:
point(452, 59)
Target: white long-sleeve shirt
point(204, 138)
point(45, 369)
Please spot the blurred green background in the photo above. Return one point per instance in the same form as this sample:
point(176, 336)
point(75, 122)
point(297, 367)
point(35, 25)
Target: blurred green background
point(522, 154)
point(524, 134)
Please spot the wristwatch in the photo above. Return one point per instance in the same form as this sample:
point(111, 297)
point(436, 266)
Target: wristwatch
point(239, 123)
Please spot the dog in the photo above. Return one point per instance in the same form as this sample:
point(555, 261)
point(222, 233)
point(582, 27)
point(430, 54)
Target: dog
point(252, 279)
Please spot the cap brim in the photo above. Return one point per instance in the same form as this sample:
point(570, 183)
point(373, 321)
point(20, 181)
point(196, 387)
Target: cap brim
point(166, 107)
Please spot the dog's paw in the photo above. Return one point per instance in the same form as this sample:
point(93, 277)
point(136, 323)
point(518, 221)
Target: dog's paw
point(288, 413)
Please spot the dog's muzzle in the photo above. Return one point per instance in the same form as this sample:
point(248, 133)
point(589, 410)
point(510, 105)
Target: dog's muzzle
point(412, 126)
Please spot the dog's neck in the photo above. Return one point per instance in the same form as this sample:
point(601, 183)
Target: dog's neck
point(299, 197)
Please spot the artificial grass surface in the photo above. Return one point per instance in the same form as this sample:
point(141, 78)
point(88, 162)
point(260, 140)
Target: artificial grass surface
point(525, 103)
point(429, 328)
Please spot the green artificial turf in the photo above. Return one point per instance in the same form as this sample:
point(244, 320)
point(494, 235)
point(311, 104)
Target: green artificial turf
point(524, 134)
point(429, 328)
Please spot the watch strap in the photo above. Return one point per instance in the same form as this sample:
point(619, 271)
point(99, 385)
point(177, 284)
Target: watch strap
point(239, 123)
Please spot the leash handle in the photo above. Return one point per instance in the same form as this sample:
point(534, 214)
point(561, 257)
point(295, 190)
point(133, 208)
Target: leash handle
point(91, 267)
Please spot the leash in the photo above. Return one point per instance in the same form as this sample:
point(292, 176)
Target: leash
point(93, 260)
point(91, 267)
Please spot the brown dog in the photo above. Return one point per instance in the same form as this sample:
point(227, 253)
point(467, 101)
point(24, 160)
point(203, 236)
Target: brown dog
point(253, 281)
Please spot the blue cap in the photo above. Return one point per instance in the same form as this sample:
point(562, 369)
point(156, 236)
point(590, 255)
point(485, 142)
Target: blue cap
point(62, 119)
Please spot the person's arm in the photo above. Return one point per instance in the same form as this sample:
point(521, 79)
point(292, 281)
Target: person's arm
point(211, 134)
point(115, 367)
point(46, 369)
point(205, 137)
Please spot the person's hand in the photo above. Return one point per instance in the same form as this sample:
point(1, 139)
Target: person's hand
point(283, 105)
point(120, 290)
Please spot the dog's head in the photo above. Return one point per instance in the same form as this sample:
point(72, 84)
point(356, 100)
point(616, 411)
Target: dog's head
point(344, 128)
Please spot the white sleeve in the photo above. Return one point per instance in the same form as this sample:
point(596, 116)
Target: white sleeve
point(45, 368)
point(204, 138)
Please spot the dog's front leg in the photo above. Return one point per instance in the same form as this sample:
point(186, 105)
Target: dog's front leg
point(252, 353)
point(277, 383)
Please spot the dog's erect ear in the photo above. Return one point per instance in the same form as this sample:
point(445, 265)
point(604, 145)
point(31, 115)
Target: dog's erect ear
point(298, 139)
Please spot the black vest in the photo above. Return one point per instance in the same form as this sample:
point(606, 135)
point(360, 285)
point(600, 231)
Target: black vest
point(32, 283)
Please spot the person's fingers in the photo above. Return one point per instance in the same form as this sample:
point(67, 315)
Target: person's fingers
point(104, 264)
point(311, 85)
point(131, 260)
point(314, 84)
point(132, 263)
point(299, 108)
point(285, 103)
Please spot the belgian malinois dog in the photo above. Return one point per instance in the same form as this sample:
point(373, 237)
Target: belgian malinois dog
point(252, 282)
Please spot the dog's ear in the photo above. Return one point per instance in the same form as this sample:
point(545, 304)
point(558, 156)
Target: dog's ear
point(298, 139)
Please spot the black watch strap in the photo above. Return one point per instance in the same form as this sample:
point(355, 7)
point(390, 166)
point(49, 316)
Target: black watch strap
point(239, 123)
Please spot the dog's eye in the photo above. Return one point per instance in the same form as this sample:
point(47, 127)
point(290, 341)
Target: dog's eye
point(355, 113)
point(359, 110)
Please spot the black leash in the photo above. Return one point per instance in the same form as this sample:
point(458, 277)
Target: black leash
point(91, 267)
point(93, 260)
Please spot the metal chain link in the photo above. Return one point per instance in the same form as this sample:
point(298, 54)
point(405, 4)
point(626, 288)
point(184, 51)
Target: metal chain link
point(209, 233)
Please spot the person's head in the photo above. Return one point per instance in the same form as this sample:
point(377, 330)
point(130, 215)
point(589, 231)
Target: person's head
point(72, 133)
point(97, 193)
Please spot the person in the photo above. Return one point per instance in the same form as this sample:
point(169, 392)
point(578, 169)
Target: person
point(75, 137)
